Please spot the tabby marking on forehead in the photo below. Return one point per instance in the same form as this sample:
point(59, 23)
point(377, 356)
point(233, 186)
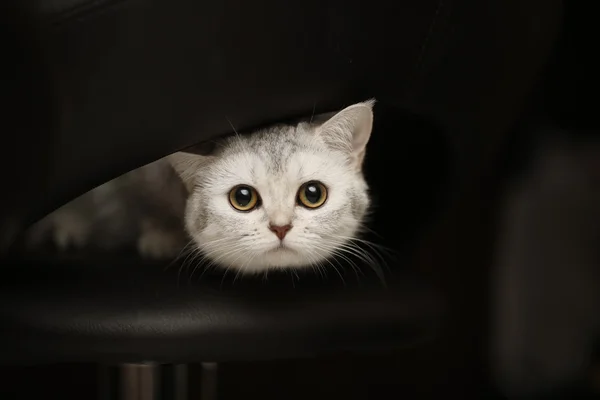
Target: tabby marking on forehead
point(275, 163)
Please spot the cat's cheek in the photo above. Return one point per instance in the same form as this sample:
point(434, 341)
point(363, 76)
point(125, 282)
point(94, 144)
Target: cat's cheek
point(204, 237)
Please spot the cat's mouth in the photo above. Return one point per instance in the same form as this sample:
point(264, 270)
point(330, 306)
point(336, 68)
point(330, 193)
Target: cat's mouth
point(281, 248)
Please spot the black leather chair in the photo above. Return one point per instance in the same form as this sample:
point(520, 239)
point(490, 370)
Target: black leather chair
point(96, 88)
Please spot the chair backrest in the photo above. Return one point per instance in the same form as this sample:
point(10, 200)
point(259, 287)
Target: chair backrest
point(98, 88)
point(101, 87)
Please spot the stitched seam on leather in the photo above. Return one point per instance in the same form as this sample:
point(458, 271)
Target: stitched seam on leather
point(83, 10)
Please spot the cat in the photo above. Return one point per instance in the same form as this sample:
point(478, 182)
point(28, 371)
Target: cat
point(546, 298)
point(287, 196)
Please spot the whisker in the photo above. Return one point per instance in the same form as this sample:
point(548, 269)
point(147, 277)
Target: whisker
point(183, 251)
point(367, 259)
point(315, 265)
point(374, 246)
point(243, 253)
point(377, 250)
point(224, 250)
point(329, 249)
point(223, 278)
point(249, 261)
point(364, 227)
point(193, 253)
point(232, 127)
point(213, 261)
point(333, 251)
point(338, 249)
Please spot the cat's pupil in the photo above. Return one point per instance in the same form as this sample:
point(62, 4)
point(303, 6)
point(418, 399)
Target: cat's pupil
point(312, 193)
point(243, 196)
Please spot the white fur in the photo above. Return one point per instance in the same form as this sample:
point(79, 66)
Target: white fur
point(275, 161)
point(331, 153)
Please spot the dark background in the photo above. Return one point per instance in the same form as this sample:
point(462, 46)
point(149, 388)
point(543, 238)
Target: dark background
point(455, 252)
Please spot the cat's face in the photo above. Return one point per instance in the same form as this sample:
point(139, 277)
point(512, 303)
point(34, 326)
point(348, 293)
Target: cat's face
point(288, 196)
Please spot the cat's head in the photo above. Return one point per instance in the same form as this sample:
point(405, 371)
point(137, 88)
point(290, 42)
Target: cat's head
point(285, 196)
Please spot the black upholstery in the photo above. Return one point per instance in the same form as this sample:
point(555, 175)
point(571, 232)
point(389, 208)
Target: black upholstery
point(124, 82)
point(117, 313)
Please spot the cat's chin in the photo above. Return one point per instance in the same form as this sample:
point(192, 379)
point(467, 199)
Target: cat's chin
point(282, 251)
point(279, 258)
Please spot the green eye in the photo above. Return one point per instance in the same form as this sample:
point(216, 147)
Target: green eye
point(312, 194)
point(243, 198)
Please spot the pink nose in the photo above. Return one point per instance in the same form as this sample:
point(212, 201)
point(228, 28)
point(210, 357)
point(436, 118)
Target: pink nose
point(280, 231)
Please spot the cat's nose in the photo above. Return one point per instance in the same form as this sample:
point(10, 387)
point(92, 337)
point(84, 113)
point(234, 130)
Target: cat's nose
point(280, 231)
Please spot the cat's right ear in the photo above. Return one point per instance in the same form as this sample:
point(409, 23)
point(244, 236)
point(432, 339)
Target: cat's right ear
point(349, 130)
point(186, 165)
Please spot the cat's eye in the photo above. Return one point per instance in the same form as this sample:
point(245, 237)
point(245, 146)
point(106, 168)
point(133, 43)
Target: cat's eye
point(312, 194)
point(243, 198)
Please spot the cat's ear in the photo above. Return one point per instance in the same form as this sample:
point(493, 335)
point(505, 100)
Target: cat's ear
point(186, 165)
point(349, 130)
point(188, 161)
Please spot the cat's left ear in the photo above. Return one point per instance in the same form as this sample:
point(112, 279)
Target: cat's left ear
point(188, 161)
point(349, 130)
point(187, 166)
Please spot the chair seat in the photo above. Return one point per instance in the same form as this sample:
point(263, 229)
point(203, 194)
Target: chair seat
point(122, 311)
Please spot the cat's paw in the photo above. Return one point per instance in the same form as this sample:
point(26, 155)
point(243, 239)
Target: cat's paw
point(70, 232)
point(159, 244)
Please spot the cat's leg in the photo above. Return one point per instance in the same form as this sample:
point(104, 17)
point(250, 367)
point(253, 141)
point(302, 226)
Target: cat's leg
point(66, 228)
point(71, 230)
point(157, 241)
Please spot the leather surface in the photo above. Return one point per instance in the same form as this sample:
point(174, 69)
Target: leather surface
point(112, 312)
